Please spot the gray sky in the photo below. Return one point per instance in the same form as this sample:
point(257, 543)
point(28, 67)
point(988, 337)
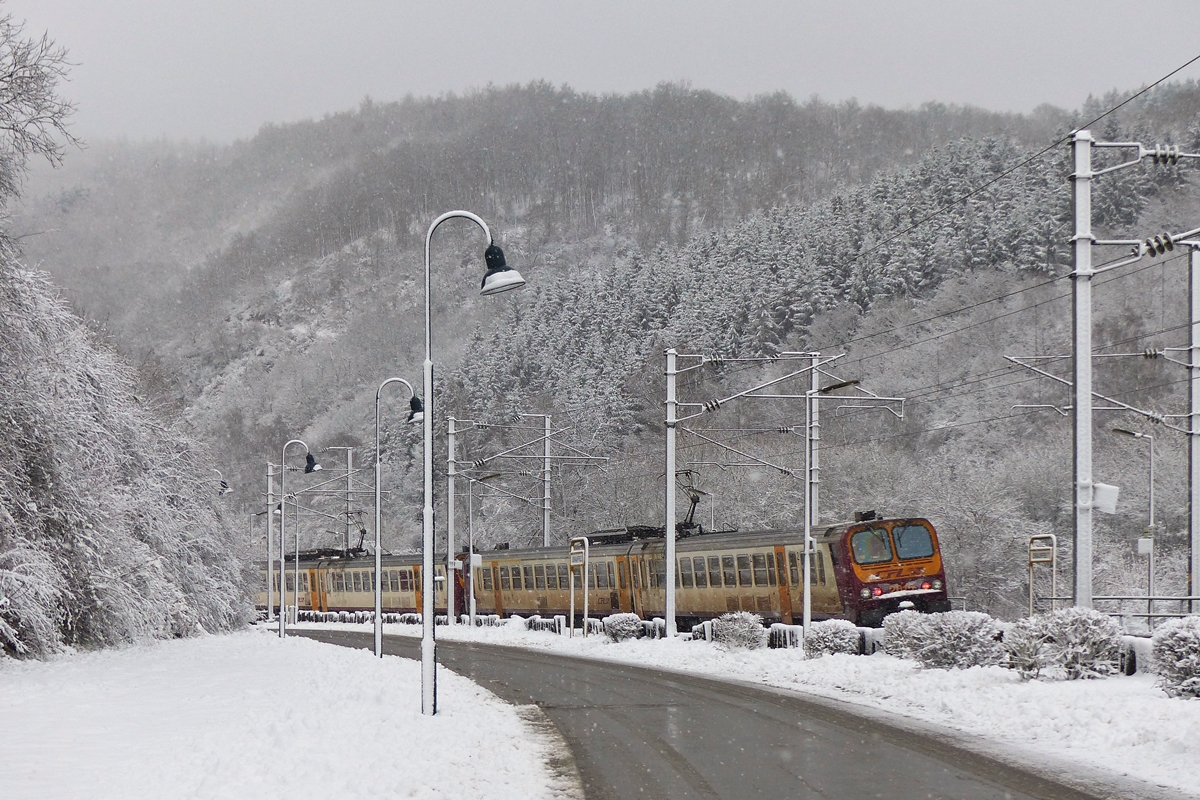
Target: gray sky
point(219, 69)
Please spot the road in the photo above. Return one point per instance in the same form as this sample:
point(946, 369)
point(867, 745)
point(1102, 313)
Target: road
point(637, 732)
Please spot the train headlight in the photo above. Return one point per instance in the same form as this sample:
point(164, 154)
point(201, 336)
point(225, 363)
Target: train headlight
point(937, 585)
point(865, 592)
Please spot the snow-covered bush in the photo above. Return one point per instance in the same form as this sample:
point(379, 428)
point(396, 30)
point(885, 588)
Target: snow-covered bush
point(1177, 657)
point(831, 636)
point(1087, 643)
point(949, 640)
point(901, 631)
point(620, 627)
point(739, 630)
point(1071, 642)
point(1030, 645)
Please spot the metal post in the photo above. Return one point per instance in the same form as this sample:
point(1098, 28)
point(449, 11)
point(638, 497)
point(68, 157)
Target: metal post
point(1193, 578)
point(349, 489)
point(814, 478)
point(669, 531)
point(471, 547)
point(378, 524)
point(1082, 353)
point(1150, 534)
point(282, 546)
point(546, 485)
point(270, 566)
point(451, 468)
point(809, 398)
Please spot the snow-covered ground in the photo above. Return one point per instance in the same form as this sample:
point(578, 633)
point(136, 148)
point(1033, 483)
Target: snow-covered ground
point(1123, 725)
point(247, 715)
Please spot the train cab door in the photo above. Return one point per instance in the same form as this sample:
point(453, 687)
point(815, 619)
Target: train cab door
point(461, 604)
point(316, 585)
point(417, 589)
point(624, 585)
point(785, 593)
point(636, 605)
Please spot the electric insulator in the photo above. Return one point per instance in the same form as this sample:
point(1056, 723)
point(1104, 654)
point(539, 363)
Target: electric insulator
point(1160, 244)
point(716, 361)
point(1150, 352)
point(712, 405)
point(477, 464)
point(1165, 154)
point(784, 429)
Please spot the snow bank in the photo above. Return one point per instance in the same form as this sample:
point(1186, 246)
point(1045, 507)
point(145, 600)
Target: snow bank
point(1120, 724)
point(247, 715)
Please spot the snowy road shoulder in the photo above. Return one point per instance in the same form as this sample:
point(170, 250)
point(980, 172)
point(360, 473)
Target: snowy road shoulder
point(1122, 726)
point(248, 715)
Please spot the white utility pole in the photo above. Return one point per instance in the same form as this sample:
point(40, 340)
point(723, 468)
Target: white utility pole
point(669, 532)
point(546, 483)
point(1193, 582)
point(451, 472)
point(1081, 276)
point(270, 566)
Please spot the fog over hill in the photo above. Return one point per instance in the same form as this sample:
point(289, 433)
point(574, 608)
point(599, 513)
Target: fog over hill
point(268, 286)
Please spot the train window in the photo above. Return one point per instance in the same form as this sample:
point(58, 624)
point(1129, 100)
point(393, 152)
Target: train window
point(602, 575)
point(820, 567)
point(564, 582)
point(760, 569)
point(551, 577)
point(794, 567)
point(357, 576)
point(701, 577)
point(372, 581)
point(714, 572)
point(685, 573)
point(912, 541)
point(645, 576)
point(486, 574)
point(504, 582)
point(404, 580)
point(290, 581)
point(416, 580)
point(612, 576)
point(743, 569)
point(676, 578)
point(770, 569)
point(634, 570)
point(781, 569)
point(528, 577)
point(539, 576)
point(623, 574)
point(395, 580)
point(660, 572)
point(871, 546)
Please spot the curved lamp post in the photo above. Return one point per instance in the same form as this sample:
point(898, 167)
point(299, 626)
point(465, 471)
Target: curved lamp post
point(498, 278)
point(282, 546)
point(415, 414)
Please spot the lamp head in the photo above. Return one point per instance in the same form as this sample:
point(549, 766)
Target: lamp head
point(499, 276)
point(310, 464)
point(416, 409)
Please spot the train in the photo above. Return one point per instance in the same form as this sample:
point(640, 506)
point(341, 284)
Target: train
point(860, 571)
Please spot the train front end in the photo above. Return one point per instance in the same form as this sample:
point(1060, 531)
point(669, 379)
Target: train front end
point(889, 566)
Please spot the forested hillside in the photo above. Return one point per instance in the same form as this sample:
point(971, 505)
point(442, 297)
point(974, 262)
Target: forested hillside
point(268, 287)
point(109, 530)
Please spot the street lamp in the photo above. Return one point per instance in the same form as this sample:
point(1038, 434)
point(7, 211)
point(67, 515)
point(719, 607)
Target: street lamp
point(415, 414)
point(498, 278)
point(1150, 529)
point(310, 465)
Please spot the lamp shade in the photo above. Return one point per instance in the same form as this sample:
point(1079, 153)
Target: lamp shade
point(499, 276)
point(416, 409)
point(310, 463)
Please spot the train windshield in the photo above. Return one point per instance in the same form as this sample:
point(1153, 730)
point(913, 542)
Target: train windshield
point(871, 546)
point(913, 541)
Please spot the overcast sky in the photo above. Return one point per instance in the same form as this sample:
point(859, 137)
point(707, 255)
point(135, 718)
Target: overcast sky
point(220, 69)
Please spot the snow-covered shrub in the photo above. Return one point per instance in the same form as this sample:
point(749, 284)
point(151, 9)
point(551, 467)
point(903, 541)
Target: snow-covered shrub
point(1177, 657)
point(1087, 643)
point(902, 631)
point(1030, 645)
point(1071, 642)
point(620, 627)
point(831, 636)
point(739, 630)
point(949, 640)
